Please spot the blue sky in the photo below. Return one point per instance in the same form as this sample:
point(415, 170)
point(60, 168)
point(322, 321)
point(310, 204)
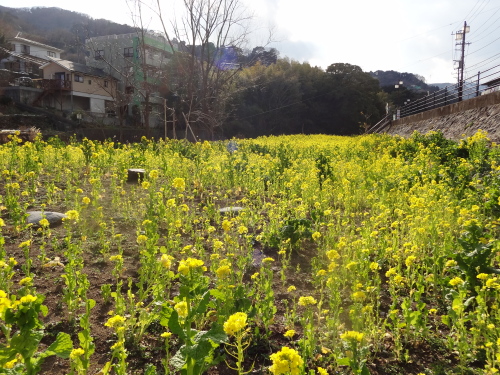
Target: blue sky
point(402, 35)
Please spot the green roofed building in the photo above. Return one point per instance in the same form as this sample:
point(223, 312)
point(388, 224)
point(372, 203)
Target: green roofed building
point(138, 61)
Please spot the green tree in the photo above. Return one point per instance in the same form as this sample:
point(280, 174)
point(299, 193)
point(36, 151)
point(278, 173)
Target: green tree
point(355, 100)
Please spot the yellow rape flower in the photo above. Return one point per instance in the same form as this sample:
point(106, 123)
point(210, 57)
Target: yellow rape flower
point(315, 236)
point(181, 308)
point(332, 254)
point(114, 258)
point(5, 302)
point(390, 272)
point(142, 239)
point(286, 361)
point(75, 353)
point(166, 261)
point(374, 266)
point(307, 301)
point(10, 364)
point(456, 281)
point(43, 223)
point(223, 271)
point(289, 334)
point(179, 184)
point(25, 244)
point(235, 323)
point(72, 215)
point(25, 281)
point(115, 321)
point(227, 225)
point(190, 264)
point(153, 174)
point(352, 336)
point(410, 260)
point(358, 296)
point(27, 299)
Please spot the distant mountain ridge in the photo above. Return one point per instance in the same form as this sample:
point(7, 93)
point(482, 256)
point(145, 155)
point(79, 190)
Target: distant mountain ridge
point(411, 81)
point(57, 27)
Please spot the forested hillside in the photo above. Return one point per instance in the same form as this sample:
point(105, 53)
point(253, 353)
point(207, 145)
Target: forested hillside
point(57, 27)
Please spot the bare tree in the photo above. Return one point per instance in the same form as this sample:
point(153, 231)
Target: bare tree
point(212, 34)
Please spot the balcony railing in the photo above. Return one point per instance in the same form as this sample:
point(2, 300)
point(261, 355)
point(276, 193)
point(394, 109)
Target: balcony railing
point(52, 84)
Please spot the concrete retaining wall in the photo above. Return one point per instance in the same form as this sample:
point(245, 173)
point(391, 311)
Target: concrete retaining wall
point(455, 120)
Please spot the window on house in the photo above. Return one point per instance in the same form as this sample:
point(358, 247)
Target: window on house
point(25, 49)
point(128, 52)
point(99, 54)
point(78, 78)
point(51, 54)
point(129, 90)
point(13, 47)
point(90, 82)
point(105, 83)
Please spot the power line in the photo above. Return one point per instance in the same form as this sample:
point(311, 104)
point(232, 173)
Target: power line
point(480, 63)
point(477, 40)
point(477, 12)
point(470, 11)
point(485, 45)
point(481, 26)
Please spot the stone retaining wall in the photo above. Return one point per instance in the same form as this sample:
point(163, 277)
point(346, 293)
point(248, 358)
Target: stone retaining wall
point(455, 120)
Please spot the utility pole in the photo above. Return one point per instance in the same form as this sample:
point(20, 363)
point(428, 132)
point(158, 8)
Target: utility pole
point(460, 37)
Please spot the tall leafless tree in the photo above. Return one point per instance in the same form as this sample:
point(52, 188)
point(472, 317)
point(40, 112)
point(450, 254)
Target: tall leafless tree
point(211, 34)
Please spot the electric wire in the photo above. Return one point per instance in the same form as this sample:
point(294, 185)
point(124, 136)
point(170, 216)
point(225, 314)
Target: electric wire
point(473, 17)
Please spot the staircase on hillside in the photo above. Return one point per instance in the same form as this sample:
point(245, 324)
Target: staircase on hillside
point(377, 128)
point(50, 87)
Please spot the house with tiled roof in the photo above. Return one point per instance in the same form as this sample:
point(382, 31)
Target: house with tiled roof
point(70, 86)
point(26, 56)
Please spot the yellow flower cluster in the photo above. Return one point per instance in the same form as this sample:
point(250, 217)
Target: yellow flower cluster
point(307, 301)
point(352, 336)
point(141, 239)
point(181, 308)
point(72, 215)
point(76, 353)
point(5, 302)
point(115, 258)
point(179, 184)
point(115, 321)
point(227, 225)
point(190, 264)
point(286, 361)
point(235, 323)
point(166, 261)
point(456, 281)
point(289, 334)
point(223, 271)
point(27, 299)
point(26, 281)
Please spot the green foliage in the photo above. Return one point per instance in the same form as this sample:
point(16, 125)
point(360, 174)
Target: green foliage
point(25, 330)
point(294, 230)
point(290, 97)
point(477, 255)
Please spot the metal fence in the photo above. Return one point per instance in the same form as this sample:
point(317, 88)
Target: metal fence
point(485, 82)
